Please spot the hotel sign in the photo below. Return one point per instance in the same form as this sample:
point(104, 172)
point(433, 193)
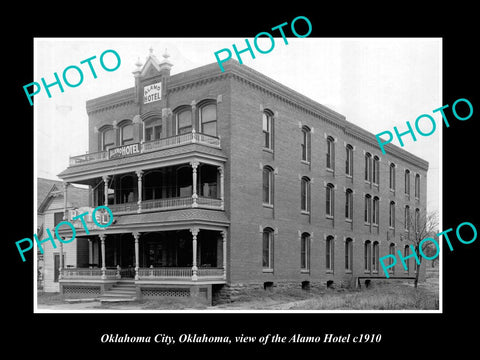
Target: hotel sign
point(152, 93)
point(123, 151)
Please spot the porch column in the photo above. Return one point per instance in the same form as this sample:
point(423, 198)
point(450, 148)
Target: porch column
point(224, 242)
point(65, 187)
point(90, 252)
point(194, 165)
point(139, 202)
point(60, 267)
point(102, 243)
point(222, 179)
point(136, 236)
point(105, 188)
point(194, 232)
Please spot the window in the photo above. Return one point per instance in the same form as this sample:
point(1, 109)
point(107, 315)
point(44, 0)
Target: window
point(368, 167)
point(208, 119)
point(405, 260)
point(267, 249)
point(368, 208)
point(407, 217)
point(368, 255)
point(306, 144)
point(108, 138)
point(392, 176)
point(348, 204)
point(391, 218)
point(305, 252)
point(417, 221)
point(57, 218)
point(407, 182)
point(349, 160)
point(329, 246)
point(375, 254)
point(267, 185)
point(391, 251)
point(417, 186)
point(267, 130)
point(349, 254)
point(329, 200)
point(126, 134)
point(330, 153)
point(153, 128)
point(305, 194)
point(376, 170)
point(376, 210)
point(184, 121)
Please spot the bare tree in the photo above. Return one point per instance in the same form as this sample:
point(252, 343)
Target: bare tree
point(421, 226)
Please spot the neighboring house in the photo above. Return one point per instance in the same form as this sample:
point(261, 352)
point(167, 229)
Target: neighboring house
point(50, 211)
point(220, 181)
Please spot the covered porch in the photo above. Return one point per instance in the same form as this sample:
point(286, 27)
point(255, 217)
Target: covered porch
point(156, 257)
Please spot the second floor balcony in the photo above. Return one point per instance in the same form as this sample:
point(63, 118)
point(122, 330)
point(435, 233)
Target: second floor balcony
point(145, 147)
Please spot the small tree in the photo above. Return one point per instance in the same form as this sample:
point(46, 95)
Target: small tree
point(421, 226)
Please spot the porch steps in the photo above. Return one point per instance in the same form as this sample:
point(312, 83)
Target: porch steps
point(120, 292)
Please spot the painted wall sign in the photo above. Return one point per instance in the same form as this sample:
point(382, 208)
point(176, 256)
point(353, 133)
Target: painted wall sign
point(152, 93)
point(125, 150)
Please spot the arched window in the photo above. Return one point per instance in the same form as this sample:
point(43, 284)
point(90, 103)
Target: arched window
point(267, 185)
point(349, 204)
point(305, 194)
point(407, 182)
point(376, 170)
point(267, 125)
point(417, 186)
point(349, 254)
point(107, 138)
point(407, 218)
point(368, 208)
point(368, 167)
point(375, 254)
point(305, 252)
point(306, 134)
point(349, 160)
point(183, 121)
point(368, 255)
point(126, 133)
point(392, 176)
point(406, 253)
point(208, 119)
point(391, 251)
point(329, 256)
point(417, 220)
point(330, 200)
point(391, 218)
point(330, 153)
point(376, 210)
point(267, 249)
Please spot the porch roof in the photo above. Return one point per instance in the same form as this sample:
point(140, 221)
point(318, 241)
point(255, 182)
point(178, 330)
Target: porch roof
point(159, 221)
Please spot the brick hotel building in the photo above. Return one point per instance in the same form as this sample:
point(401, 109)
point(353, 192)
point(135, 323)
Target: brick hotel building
point(224, 180)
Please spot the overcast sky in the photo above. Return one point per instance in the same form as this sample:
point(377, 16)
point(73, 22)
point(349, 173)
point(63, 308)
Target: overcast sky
point(375, 83)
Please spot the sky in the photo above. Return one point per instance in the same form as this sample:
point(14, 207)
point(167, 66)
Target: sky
point(377, 83)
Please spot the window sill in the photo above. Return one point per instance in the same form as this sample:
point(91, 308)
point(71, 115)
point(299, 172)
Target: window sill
point(329, 272)
point(267, 271)
point(270, 206)
point(330, 217)
point(268, 150)
point(304, 212)
point(366, 223)
point(330, 170)
point(367, 182)
point(348, 271)
point(367, 272)
point(305, 162)
point(305, 271)
point(348, 176)
point(348, 220)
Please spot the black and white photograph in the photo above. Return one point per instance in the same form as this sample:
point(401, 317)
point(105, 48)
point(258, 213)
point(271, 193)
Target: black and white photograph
point(250, 183)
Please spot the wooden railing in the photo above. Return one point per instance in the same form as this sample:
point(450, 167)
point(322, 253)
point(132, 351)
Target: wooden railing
point(165, 272)
point(167, 204)
point(85, 273)
point(158, 144)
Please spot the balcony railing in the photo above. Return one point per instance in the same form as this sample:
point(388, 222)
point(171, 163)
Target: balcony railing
point(151, 273)
point(168, 204)
point(154, 145)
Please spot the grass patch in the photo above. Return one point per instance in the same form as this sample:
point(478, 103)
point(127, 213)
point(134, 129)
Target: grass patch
point(44, 298)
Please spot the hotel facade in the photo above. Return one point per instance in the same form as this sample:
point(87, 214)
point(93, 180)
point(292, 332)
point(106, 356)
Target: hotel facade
point(220, 181)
